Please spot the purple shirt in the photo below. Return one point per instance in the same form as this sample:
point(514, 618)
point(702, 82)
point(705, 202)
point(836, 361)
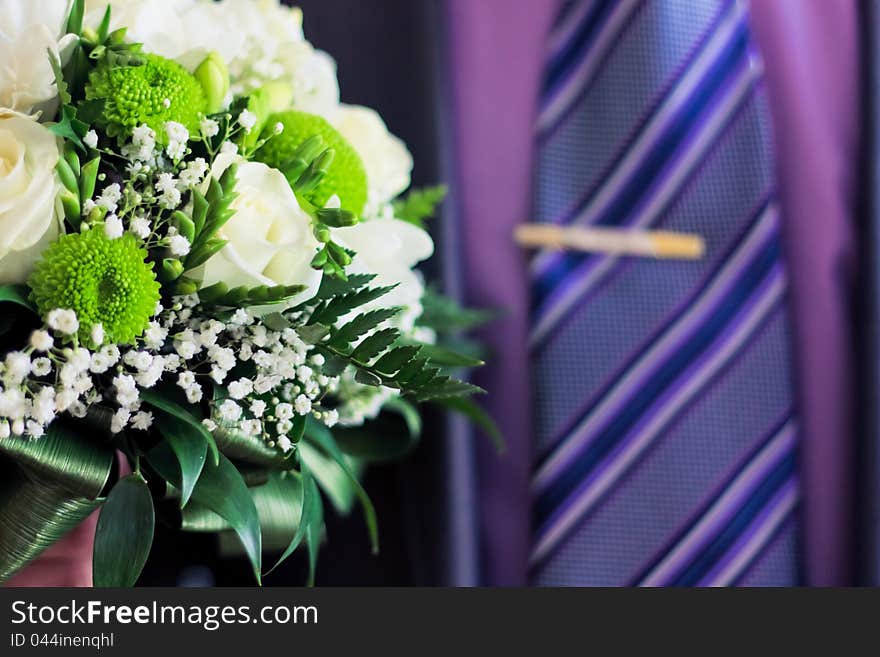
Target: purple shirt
point(811, 58)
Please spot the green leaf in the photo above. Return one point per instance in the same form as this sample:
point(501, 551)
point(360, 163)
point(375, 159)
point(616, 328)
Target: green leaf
point(312, 334)
point(408, 412)
point(367, 378)
point(420, 204)
point(48, 487)
point(336, 217)
point(330, 477)
point(321, 435)
point(471, 410)
point(104, 27)
point(411, 370)
point(17, 294)
point(437, 355)
point(329, 312)
point(444, 315)
point(395, 359)
point(334, 287)
point(124, 534)
point(88, 177)
point(69, 127)
point(154, 398)
point(221, 489)
point(207, 221)
point(361, 325)
point(200, 210)
point(75, 19)
point(190, 448)
point(375, 345)
point(443, 387)
point(279, 504)
point(315, 526)
point(63, 93)
point(310, 525)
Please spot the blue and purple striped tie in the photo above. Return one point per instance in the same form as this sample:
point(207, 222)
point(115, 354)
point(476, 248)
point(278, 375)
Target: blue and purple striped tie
point(666, 435)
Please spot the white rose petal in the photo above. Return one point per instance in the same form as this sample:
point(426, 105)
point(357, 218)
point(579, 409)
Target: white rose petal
point(389, 248)
point(270, 240)
point(386, 159)
point(29, 220)
point(27, 31)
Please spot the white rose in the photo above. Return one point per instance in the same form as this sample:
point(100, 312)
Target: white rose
point(260, 40)
point(270, 236)
point(154, 23)
point(387, 161)
point(389, 248)
point(312, 74)
point(28, 32)
point(29, 186)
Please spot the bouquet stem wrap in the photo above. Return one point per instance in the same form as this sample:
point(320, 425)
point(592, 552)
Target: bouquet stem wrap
point(55, 484)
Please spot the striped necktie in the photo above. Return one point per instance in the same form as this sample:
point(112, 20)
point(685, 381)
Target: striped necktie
point(665, 430)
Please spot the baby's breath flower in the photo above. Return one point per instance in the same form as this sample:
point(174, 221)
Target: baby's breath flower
point(34, 429)
point(126, 390)
point(120, 420)
point(247, 120)
point(113, 228)
point(179, 245)
point(258, 407)
point(209, 127)
point(170, 195)
point(63, 320)
point(98, 334)
point(41, 366)
point(41, 341)
point(142, 420)
point(229, 410)
point(176, 132)
point(194, 394)
point(331, 417)
point(17, 365)
point(140, 226)
point(302, 404)
point(241, 388)
point(109, 198)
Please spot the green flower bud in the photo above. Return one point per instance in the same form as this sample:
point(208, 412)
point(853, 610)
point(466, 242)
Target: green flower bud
point(170, 270)
point(213, 75)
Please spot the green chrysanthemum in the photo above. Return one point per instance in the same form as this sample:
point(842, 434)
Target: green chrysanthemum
point(346, 176)
point(104, 281)
point(150, 90)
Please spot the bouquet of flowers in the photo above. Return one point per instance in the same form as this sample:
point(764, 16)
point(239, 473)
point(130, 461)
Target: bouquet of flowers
point(205, 268)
